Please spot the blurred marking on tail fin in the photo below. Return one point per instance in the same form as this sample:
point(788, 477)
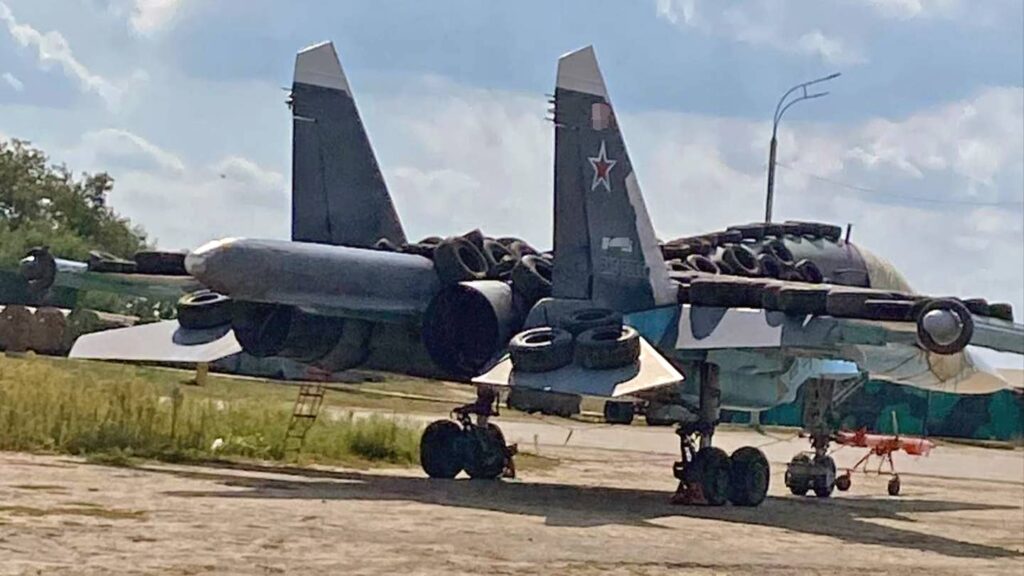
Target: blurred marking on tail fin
point(605, 247)
point(338, 192)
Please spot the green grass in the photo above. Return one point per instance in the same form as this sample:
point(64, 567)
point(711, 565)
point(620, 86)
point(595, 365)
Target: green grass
point(115, 413)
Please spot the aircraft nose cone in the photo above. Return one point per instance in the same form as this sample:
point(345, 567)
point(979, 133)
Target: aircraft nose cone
point(198, 262)
point(942, 325)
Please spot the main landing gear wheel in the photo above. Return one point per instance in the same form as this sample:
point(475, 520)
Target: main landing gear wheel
point(710, 473)
point(441, 449)
point(486, 456)
point(749, 477)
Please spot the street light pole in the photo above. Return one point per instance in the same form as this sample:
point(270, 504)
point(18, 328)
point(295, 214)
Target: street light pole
point(780, 109)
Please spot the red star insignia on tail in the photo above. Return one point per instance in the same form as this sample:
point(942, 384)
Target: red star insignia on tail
point(602, 169)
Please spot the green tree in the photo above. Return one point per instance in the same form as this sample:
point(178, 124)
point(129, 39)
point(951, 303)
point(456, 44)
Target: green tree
point(45, 204)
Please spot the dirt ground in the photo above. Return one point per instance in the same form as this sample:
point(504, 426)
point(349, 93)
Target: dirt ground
point(600, 511)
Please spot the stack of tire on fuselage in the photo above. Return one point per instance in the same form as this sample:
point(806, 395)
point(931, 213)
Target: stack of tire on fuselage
point(799, 268)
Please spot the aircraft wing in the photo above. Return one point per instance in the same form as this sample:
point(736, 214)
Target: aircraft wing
point(889, 350)
point(649, 372)
point(160, 341)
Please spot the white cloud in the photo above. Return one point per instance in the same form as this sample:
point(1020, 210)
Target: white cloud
point(907, 9)
point(116, 147)
point(13, 81)
point(152, 16)
point(52, 47)
point(760, 23)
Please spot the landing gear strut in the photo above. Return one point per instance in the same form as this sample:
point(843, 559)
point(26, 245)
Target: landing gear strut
point(815, 471)
point(448, 447)
point(706, 474)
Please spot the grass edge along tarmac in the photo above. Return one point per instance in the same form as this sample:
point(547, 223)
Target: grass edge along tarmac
point(116, 412)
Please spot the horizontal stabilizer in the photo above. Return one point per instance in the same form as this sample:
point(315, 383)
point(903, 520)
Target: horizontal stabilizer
point(651, 371)
point(157, 342)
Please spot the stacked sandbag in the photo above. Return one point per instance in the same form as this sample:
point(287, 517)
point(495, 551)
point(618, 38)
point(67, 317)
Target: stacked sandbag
point(15, 327)
point(46, 331)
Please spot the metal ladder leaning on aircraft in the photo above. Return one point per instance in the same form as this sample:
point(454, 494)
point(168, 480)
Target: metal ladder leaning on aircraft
point(612, 314)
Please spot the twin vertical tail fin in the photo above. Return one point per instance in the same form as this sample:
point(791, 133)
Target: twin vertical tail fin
point(605, 247)
point(338, 192)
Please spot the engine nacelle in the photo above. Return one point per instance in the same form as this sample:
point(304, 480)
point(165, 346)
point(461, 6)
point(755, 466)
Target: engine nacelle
point(264, 330)
point(468, 323)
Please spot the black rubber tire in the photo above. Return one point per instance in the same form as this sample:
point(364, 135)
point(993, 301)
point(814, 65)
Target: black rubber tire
point(618, 412)
point(608, 347)
point(824, 488)
point(441, 449)
point(702, 263)
point(810, 272)
point(798, 486)
point(893, 487)
point(476, 238)
point(431, 240)
point(496, 253)
point(160, 263)
point(104, 262)
point(723, 292)
point(503, 269)
point(850, 302)
point(750, 231)
point(966, 322)
point(485, 455)
point(520, 248)
point(676, 251)
point(843, 482)
point(749, 477)
point(778, 249)
point(41, 274)
point(977, 306)
point(457, 260)
point(385, 245)
point(800, 300)
point(1001, 311)
point(741, 260)
point(421, 249)
point(204, 309)
point(541, 349)
point(712, 470)
point(770, 265)
point(531, 278)
point(890, 310)
point(579, 321)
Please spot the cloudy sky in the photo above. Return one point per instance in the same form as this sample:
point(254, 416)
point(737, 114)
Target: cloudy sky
point(920, 144)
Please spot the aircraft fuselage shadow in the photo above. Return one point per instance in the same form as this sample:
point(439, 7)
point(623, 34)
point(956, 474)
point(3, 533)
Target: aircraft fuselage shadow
point(847, 519)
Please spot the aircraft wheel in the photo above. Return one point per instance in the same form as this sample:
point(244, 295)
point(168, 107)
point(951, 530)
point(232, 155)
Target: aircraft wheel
point(486, 456)
point(749, 477)
point(616, 412)
point(798, 477)
point(711, 470)
point(204, 309)
point(825, 480)
point(894, 486)
point(843, 482)
point(441, 450)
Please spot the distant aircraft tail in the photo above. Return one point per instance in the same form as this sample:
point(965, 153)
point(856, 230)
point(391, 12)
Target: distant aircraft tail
point(605, 248)
point(338, 193)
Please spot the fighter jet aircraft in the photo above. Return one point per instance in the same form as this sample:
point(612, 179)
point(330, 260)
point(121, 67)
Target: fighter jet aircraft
point(618, 315)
